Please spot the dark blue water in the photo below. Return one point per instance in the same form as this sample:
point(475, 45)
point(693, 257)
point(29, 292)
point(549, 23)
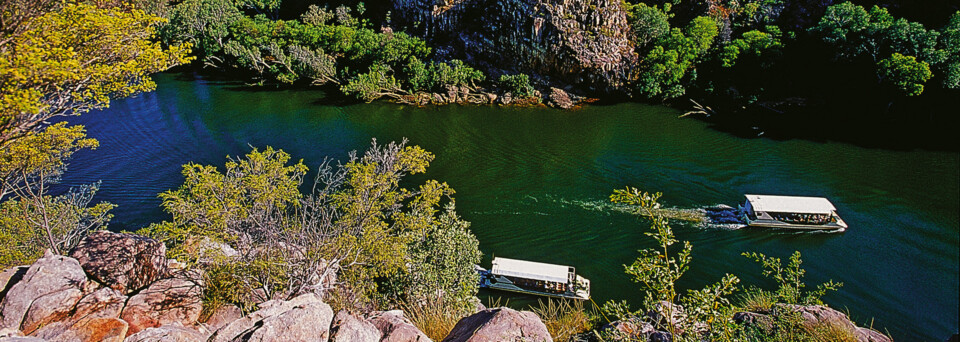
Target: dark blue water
point(534, 183)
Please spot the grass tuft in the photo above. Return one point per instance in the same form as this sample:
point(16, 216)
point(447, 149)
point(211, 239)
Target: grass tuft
point(757, 300)
point(434, 317)
point(565, 319)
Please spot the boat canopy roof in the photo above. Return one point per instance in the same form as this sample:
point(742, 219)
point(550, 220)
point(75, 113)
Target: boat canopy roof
point(530, 270)
point(790, 204)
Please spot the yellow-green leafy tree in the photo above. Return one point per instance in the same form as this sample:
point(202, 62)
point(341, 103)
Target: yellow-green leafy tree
point(62, 58)
point(258, 237)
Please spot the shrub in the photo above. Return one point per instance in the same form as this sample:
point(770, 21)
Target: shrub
point(518, 85)
point(789, 278)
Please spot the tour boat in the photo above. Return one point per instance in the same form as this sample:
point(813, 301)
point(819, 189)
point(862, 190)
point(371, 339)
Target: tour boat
point(535, 278)
point(791, 212)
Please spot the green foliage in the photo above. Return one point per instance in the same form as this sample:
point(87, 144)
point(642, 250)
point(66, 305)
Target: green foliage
point(757, 300)
point(376, 83)
point(855, 32)
point(518, 85)
point(58, 59)
point(674, 57)
point(904, 73)
point(789, 279)
point(441, 261)
point(649, 23)
point(226, 206)
point(29, 225)
point(358, 226)
point(75, 59)
point(756, 45)
point(437, 76)
point(658, 271)
point(203, 23)
point(950, 40)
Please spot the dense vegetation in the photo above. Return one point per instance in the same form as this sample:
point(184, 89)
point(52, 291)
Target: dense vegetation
point(715, 49)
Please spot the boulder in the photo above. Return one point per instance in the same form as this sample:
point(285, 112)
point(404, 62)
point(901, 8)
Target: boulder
point(757, 320)
point(630, 329)
point(304, 318)
point(349, 328)
point(307, 322)
point(560, 99)
point(499, 324)
point(21, 339)
point(125, 262)
point(167, 301)
point(53, 280)
point(49, 309)
point(223, 316)
point(818, 315)
point(94, 330)
point(9, 277)
point(397, 328)
point(89, 320)
point(870, 335)
point(167, 333)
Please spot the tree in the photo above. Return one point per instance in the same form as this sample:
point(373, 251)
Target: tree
point(756, 45)
point(649, 23)
point(376, 83)
point(442, 262)
point(854, 32)
point(357, 226)
point(674, 57)
point(74, 59)
point(203, 23)
point(904, 73)
point(61, 59)
point(950, 40)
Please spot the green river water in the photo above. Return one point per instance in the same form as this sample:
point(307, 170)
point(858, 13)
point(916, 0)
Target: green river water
point(534, 182)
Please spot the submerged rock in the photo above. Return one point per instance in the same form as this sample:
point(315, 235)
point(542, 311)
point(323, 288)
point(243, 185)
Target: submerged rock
point(499, 324)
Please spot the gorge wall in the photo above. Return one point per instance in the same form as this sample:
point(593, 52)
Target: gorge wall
point(578, 45)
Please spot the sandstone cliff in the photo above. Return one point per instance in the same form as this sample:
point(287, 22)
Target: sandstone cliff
point(581, 45)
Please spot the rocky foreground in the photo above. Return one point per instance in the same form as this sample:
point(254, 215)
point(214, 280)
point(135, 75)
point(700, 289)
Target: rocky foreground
point(121, 287)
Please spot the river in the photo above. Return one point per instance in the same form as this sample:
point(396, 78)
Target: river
point(534, 182)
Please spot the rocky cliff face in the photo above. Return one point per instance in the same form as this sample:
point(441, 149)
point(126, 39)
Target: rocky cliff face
point(584, 44)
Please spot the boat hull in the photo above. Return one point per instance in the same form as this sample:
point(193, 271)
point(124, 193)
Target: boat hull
point(784, 225)
point(514, 288)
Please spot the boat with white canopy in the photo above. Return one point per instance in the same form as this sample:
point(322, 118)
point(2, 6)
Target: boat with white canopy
point(791, 212)
point(535, 278)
